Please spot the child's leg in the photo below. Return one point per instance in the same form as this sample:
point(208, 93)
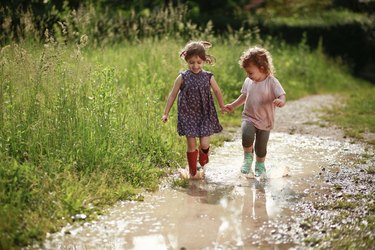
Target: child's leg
point(261, 141)
point(204, 147)
point(248, 132)
point(192, 155)
point(191, 144)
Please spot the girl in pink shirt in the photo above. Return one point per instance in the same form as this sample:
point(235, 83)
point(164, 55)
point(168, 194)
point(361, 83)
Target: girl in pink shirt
point(261, 93)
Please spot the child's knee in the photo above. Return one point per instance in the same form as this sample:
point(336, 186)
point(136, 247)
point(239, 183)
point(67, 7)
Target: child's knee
point(261, 153)
point(247, 140)
point(247, 143)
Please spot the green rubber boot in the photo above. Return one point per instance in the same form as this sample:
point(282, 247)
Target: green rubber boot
point(260, 169)
point(248, 160)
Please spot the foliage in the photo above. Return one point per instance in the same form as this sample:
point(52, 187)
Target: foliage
point(293, 8)
point(309, 8)
point(102, 25)
point(118, 20)
point(323, 19)
point(109, 22)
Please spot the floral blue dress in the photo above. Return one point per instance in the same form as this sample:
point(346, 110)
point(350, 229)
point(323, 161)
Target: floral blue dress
point(197, 115)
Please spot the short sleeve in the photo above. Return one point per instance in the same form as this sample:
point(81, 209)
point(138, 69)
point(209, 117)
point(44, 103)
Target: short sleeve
point(245, 86)
point(183, 74)
point(209, 74)
point(277, 88)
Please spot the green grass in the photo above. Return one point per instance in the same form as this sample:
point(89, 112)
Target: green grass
point(80, 127)
point(78, 136)
point(356, 115)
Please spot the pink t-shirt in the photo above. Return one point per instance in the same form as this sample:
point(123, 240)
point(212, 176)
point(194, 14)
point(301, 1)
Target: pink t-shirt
point(258, 107)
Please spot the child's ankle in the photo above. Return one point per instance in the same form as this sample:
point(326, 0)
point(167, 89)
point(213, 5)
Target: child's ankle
point(248, 156)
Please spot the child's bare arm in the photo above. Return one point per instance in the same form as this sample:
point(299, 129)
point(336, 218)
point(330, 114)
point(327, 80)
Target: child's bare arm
point(216, 89)
point(238, 102)
point(172, 97)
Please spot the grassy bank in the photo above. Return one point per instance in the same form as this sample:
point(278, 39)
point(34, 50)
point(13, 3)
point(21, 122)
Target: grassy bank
point(80, 128)
point(356, 116)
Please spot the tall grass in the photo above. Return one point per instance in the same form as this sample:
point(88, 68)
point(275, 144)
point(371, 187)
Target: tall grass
point(75, 135)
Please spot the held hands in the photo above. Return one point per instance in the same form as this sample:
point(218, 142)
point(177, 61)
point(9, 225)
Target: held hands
point(223, 109)
point(227, 108)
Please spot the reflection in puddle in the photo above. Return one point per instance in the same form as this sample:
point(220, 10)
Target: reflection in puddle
point(224, 211)
point(157, 242)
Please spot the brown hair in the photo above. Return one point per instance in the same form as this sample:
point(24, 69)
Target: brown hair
point(197, 48)
point(258, 56)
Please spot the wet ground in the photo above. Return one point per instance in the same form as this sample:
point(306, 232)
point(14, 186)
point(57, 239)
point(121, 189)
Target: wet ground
point(228, 210)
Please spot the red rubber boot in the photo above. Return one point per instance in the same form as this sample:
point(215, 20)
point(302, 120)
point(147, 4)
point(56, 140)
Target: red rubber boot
point(192, 160)
point(203, 157)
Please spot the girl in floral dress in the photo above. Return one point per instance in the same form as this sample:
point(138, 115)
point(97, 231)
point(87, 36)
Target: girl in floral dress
point(197, 117)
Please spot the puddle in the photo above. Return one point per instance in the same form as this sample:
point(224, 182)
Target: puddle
point(224, 211)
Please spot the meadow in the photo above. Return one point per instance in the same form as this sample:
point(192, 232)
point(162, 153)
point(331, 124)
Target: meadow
point(80, 125)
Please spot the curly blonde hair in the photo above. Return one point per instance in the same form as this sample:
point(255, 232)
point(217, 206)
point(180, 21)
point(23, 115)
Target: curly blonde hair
point(258, 56)
point(197, 48)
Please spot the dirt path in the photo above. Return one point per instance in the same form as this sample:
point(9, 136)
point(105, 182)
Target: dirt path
point(303, 117)
point(229, 211)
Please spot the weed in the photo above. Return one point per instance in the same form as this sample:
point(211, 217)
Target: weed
point(180, 182)
point(338, 187)
point(370, 170)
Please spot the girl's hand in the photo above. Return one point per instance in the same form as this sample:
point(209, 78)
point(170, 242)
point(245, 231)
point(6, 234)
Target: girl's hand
point(278, 102)
point(223, 109)
point(229, 108)
point(164, 118)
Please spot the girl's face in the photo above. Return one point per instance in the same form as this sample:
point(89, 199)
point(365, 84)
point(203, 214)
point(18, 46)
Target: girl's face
point(254, 73)
point(195, 64)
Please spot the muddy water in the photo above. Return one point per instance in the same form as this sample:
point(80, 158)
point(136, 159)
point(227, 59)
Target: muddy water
point(227, 210)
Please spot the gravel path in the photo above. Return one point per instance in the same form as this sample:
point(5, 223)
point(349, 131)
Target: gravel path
point(343, 217)
point(303, 117)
